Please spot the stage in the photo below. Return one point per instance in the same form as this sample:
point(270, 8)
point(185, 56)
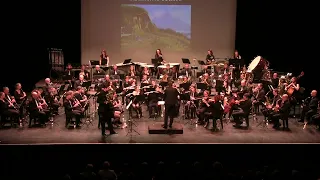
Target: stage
point(58, 134)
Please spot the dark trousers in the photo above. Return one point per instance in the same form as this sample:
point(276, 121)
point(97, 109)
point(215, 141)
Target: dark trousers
point(103, 119)
point(274, 117)
point(76, 114)
point(200, 114)
point(42, 115)
point(190, 110)
point(153, 107)
point(256, 106)
point(307, 114)
point(237, 115)
point(13, 114)
point(170, 112)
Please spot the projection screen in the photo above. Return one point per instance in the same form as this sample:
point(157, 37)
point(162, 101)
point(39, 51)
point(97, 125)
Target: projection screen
point(134, 29)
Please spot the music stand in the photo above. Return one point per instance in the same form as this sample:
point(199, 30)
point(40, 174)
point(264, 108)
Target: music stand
point(86, 85)
point(127, 61)
point(185, 86)
point(185, 61)
point(93, 63)
point(202, 86)
point(200, 62)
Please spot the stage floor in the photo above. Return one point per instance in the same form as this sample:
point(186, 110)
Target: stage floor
point(58, 134)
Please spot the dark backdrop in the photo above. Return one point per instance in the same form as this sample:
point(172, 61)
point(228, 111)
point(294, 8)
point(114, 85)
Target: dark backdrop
point(283, 33)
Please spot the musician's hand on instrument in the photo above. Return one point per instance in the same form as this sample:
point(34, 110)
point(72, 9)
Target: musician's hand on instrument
point(39, 107)
point(117, 114)
point(192, 98)
point(254, 101)
point(13, 100)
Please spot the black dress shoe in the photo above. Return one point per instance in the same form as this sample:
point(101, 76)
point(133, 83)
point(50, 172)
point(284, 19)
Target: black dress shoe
point(164, 126)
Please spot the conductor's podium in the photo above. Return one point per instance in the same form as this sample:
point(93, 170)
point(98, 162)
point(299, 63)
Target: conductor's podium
point(157, 128)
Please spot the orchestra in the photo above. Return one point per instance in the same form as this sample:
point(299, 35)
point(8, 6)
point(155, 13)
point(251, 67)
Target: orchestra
point(210, 95)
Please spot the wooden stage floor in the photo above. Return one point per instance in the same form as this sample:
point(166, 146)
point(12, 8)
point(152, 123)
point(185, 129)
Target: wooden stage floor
point(58, 134)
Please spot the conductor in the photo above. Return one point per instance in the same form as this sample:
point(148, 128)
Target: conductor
point(170, 98)
point(106, 110)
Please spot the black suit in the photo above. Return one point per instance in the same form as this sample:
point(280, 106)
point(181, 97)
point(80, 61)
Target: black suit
point(310, 109)
point(170, 99)
point(114, 72)
point(36, 113)
point(206, 71)
point(72, 111)
point(260, 98)
point(243, 90)
point(99, 72)
point(284, 113)
point(245, 109)
point(216, 111)
point(186, 72)
point(106, 112)
point(69, 74)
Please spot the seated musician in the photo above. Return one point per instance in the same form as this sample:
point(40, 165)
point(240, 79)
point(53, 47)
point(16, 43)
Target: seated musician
point(282, 111)
point(10, 99)
point(259, 97)
point(127, 83)
point(310, 107)
point(275, 80)
point(81, 97)
point(38, 108)
point(238, 81)
point(117, 105)
point(207, 81)
point(146, 71)
point(145, 80)
point(7, 109)
point(225, 69)
point(243, 89)
point(72, 109)
point(80, 81)
point(114, 71)
point(226, 88)
point(243, 111)
point(47, 86)
point(210, 57)
point(191, 106)
point(53, 100)
point(84, 73)
point(104, 58)
point(205, 70)
point(136, 104)
point(203, 107)
point(98, 71)
point(20, 98)
point(132, 71)
point(186, 71)
point(153, 99)
point(316, 119)
point(107, 80)
point(159, 57)
point(216, 110)
point(268, 112)
point(167, 70)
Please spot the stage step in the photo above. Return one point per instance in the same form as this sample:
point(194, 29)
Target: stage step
point(157, 128)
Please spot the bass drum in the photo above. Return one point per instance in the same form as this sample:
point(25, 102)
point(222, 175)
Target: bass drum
point(257, 64)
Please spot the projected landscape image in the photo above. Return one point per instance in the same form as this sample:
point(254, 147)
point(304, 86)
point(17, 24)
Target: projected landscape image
point(149, 27)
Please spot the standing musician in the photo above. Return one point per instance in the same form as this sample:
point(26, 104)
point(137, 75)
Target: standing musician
point(98, 71)
point(73, 108)
point(309, 107)
point(275, 80)
point(282, 111)
point(259, 97)
point(190, 106)
point(210, 57)
point(38, 108)
point(80, 81)
point(153, 99)
point(236, 55)
point(84, 73)
point(106, 110)
point(244, 109)
point(159, 57)
point(186, 71)
point(20, 98)
point(7, 108)
point(170, 98)
point(136, 104)
point(204, 104)
point(269, 112)
point(132, 71)
point(104, 58)
point(53, 100)
point(293, 92)
point(69, 75)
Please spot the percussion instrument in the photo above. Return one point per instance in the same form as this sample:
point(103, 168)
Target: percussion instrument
point(161, 103)
point(258, 63)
